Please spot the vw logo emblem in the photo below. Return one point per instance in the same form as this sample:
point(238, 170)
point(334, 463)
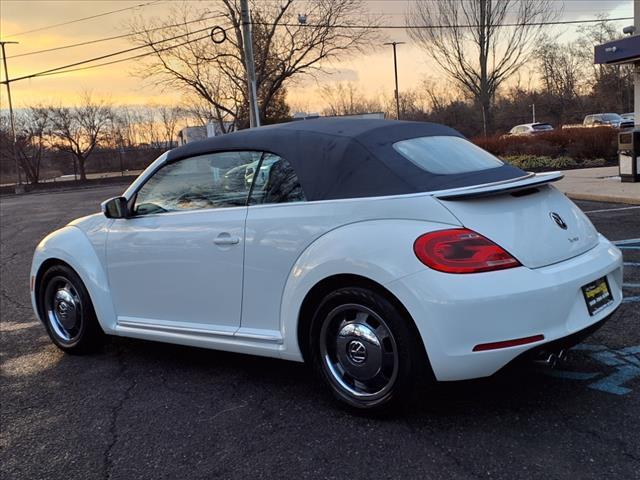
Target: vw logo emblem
point(558, 219)
point(357, 352)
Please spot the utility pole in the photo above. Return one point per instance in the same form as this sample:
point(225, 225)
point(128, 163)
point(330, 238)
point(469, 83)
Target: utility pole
point(19, 187)
point(533, 111)
point(254, 112)
point(395, 70)
point(636, 67)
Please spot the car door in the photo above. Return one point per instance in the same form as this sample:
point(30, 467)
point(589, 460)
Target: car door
point(177, 262)
point(279, 228)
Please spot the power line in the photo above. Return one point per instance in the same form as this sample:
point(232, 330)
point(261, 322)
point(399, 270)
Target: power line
point(105, 39)
point(134, 57)
point(84, 18)
point(69, 68)
point(439, 27)
point(109, 55)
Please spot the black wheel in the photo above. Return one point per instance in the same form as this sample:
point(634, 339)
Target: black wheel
point(67, 311)
point(364, 348)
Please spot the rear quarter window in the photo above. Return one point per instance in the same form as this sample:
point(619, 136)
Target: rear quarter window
point(446, 155)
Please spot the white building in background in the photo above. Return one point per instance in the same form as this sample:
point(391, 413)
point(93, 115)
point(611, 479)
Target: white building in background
point(201, 132)
point(191, 134)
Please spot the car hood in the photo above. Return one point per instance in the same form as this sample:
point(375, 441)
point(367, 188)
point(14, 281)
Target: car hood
point(89, 223)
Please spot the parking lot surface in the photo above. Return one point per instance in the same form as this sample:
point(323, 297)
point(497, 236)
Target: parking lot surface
point(149, 410)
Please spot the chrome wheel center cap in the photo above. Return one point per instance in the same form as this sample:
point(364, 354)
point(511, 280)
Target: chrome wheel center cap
point(65, 309)
point(62, 309)
point(357, 352)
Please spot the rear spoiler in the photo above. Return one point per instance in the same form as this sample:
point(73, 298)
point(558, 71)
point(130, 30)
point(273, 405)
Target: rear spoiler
point(531, 180)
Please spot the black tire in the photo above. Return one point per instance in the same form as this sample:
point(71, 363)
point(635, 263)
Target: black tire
point(67, 311)
point(345, 355)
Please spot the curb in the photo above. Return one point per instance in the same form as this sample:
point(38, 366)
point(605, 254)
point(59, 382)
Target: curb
point(603, 198)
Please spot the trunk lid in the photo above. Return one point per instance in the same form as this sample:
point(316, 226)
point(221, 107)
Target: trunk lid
point(538, 225)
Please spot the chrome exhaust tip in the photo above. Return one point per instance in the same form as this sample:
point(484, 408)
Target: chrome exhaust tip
point(563, 355)
point(547, 359)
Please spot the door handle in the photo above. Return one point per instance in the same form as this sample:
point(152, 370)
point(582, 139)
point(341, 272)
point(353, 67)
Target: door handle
point(226, 239)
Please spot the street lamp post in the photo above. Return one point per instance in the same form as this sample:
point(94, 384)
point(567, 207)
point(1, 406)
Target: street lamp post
point(395, 70)
point(533, 112)
point(19, 188)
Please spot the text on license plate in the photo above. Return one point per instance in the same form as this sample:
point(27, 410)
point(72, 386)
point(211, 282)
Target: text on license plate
point(597, 294)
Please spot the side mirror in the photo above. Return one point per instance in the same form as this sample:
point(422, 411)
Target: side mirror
point(115, 207)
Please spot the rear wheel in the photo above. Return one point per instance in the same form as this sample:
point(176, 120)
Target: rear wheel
point(364, 349)
point(67, 311)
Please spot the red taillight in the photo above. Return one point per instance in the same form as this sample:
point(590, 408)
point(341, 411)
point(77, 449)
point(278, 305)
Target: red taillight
point(461, 250)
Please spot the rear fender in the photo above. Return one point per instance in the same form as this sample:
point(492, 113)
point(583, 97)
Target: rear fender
point(71, 246)
point(379, 250)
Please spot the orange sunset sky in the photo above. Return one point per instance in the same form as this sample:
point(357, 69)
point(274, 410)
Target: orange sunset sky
point(372, 72)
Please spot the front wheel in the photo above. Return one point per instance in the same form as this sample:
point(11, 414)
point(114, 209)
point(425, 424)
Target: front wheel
point(67, 311)
point(365, 349)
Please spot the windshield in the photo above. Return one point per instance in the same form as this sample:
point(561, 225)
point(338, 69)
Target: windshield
point(611, 117)
point(446, 155)
point(543, 126)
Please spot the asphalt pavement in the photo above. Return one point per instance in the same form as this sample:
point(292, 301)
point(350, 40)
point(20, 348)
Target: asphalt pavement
point(150, 410)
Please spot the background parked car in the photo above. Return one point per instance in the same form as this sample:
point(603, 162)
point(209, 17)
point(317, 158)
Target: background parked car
point(603, 120)
point(629, 120)
point(531, 129)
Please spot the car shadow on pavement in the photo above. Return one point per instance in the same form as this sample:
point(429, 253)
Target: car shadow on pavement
point(193, 370)
point(176, 369)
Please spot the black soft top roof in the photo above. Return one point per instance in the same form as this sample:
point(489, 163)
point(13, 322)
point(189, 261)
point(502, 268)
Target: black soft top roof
point(348, 157)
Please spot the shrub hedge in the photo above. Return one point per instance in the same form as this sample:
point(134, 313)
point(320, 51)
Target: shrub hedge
point(541, 162)
point(580, 144)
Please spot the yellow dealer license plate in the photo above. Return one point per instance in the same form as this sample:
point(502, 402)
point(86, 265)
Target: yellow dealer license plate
point(597, 295)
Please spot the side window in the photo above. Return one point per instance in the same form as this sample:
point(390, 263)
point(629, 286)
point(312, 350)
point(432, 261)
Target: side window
point(215, 180)
point(276, 182)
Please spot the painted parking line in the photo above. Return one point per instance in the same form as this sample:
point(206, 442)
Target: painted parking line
point(628, 241)
point(602, 210)
point(620, 367)
point(631, 285)
point(628, 244)
point(633, 299)
point(632, 264)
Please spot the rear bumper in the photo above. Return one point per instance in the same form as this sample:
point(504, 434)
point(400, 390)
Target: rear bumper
point(564, 343)
point(454, 313)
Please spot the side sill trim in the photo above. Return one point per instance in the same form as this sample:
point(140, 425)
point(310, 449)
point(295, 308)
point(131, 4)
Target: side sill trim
point(198, 332)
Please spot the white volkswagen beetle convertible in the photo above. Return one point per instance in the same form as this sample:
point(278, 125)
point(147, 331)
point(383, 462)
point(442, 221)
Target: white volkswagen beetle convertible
point(376, 250)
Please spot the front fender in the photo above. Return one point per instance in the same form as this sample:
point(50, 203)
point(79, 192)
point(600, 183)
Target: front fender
point(72, 246)
point(380, 250)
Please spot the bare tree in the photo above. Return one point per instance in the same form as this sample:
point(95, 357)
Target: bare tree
point(562, 73)
point(79, 129)
point(147, 127)
point(186, 59)
point(33, 140)
point(124, 127)
point(437, 97)
point(611, 85)
point(347, 99)
point(468, 40)
point(170, 117)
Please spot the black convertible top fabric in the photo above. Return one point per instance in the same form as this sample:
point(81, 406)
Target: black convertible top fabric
point(348, 157)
